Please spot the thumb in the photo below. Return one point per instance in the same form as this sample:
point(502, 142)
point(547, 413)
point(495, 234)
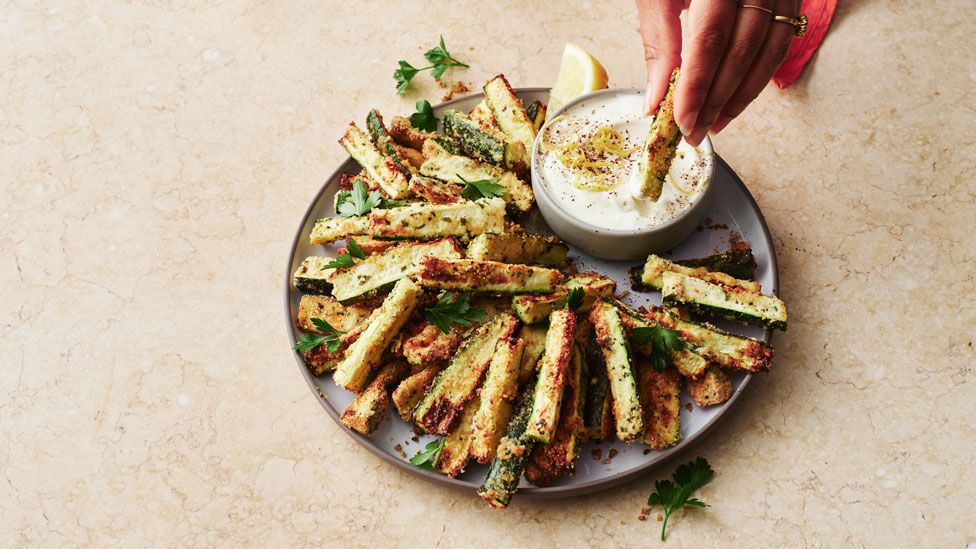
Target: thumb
point(660, 28)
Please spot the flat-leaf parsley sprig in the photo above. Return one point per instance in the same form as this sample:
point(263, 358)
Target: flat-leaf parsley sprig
point(330, 337)
point(481, 188)
point(451, 309)
point(424, 118)
point(428, 458)
point(345, 260)
point(438, 57)
point(662, 340)
point(675, 495)
point(574, 298)
point(359, 202)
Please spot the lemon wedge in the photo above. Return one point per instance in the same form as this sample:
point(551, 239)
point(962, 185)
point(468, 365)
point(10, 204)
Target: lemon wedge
point(579, 73)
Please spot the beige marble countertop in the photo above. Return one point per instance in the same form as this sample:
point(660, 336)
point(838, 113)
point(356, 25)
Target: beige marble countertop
point(156, 157)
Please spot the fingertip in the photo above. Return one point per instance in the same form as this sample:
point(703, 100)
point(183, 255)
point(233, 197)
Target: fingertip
point(720, 123)
point(696, 137)
point(648, 104)
point(686, 123)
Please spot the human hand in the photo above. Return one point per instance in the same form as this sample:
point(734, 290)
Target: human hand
point(731, 54)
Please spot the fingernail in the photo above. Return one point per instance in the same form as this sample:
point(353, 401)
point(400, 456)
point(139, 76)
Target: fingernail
point(686, 128)
point(696, 137)
point(647, 101)
point(720, 123)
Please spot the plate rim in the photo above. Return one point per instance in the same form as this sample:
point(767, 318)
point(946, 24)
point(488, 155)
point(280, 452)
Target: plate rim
point(527, 491)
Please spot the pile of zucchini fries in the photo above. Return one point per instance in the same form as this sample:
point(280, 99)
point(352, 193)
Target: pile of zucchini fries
point(526, 386)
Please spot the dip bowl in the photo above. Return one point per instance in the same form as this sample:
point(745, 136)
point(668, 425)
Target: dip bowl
point(618, 244)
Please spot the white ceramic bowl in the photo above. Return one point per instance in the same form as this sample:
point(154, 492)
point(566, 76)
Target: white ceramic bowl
point(618, 244)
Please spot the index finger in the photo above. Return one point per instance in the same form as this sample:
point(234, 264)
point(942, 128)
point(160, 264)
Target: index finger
point(711, 24)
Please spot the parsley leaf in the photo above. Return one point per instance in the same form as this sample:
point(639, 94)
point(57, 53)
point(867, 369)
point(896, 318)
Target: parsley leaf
point(482, 188)
point(428, 458)
point(424, 118)
point(675, 495)
point(310, 341)
point(354, 249)
point(440, 60)
point(345, 260)
point(359, 202)
point(662, 340)
point(574, 298)
point(454, 310)
point(404, 75)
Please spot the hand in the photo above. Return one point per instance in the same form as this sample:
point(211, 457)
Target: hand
point(731, 55)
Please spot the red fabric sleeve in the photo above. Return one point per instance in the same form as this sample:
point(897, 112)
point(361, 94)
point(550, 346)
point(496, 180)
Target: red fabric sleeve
point(819, 13)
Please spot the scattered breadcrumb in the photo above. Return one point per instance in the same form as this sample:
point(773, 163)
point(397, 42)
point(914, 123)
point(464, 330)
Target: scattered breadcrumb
point(641, 518)
point(688, 406)
point(606, 461)
point(699, 228)
point(736, 243)
point(708, 220)
point(647, 451)
point(613, 453)
point(457, 87)
point(398, 448)
point(623, 294)
point(597, 454)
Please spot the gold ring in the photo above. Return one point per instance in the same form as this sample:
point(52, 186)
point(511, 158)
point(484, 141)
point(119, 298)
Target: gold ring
point(767, 10)
point(799, 23)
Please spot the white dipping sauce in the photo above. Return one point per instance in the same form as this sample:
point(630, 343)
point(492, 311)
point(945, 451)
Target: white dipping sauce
point(622, 207)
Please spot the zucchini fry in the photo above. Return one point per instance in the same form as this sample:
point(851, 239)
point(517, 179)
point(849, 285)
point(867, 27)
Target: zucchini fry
point(534, 336)
point(365, 353)
point(403, 132)
point(552, 375)
point(620, 370)
point(662, 144)
point(713, 388)
point(661, 403)
point(519, 248)
point(503, 476)
point(651, 275)
point(409, 392)
point(422, 221)
point(497, 395)
point(548, 462)
point(375, 163)
point(440, 406)
point(368, 409)
point(457, 444)
point(468, 275)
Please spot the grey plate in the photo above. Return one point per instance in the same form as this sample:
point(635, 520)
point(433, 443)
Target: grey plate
point(732, 205)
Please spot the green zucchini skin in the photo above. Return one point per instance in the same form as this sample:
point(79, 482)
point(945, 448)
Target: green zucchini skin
point(506, 469)
point(311, 279)
point(536, 112)
point(475, 141)
point(597, 417)
point(737, 263)
point(734, 304)
point(381, 138)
